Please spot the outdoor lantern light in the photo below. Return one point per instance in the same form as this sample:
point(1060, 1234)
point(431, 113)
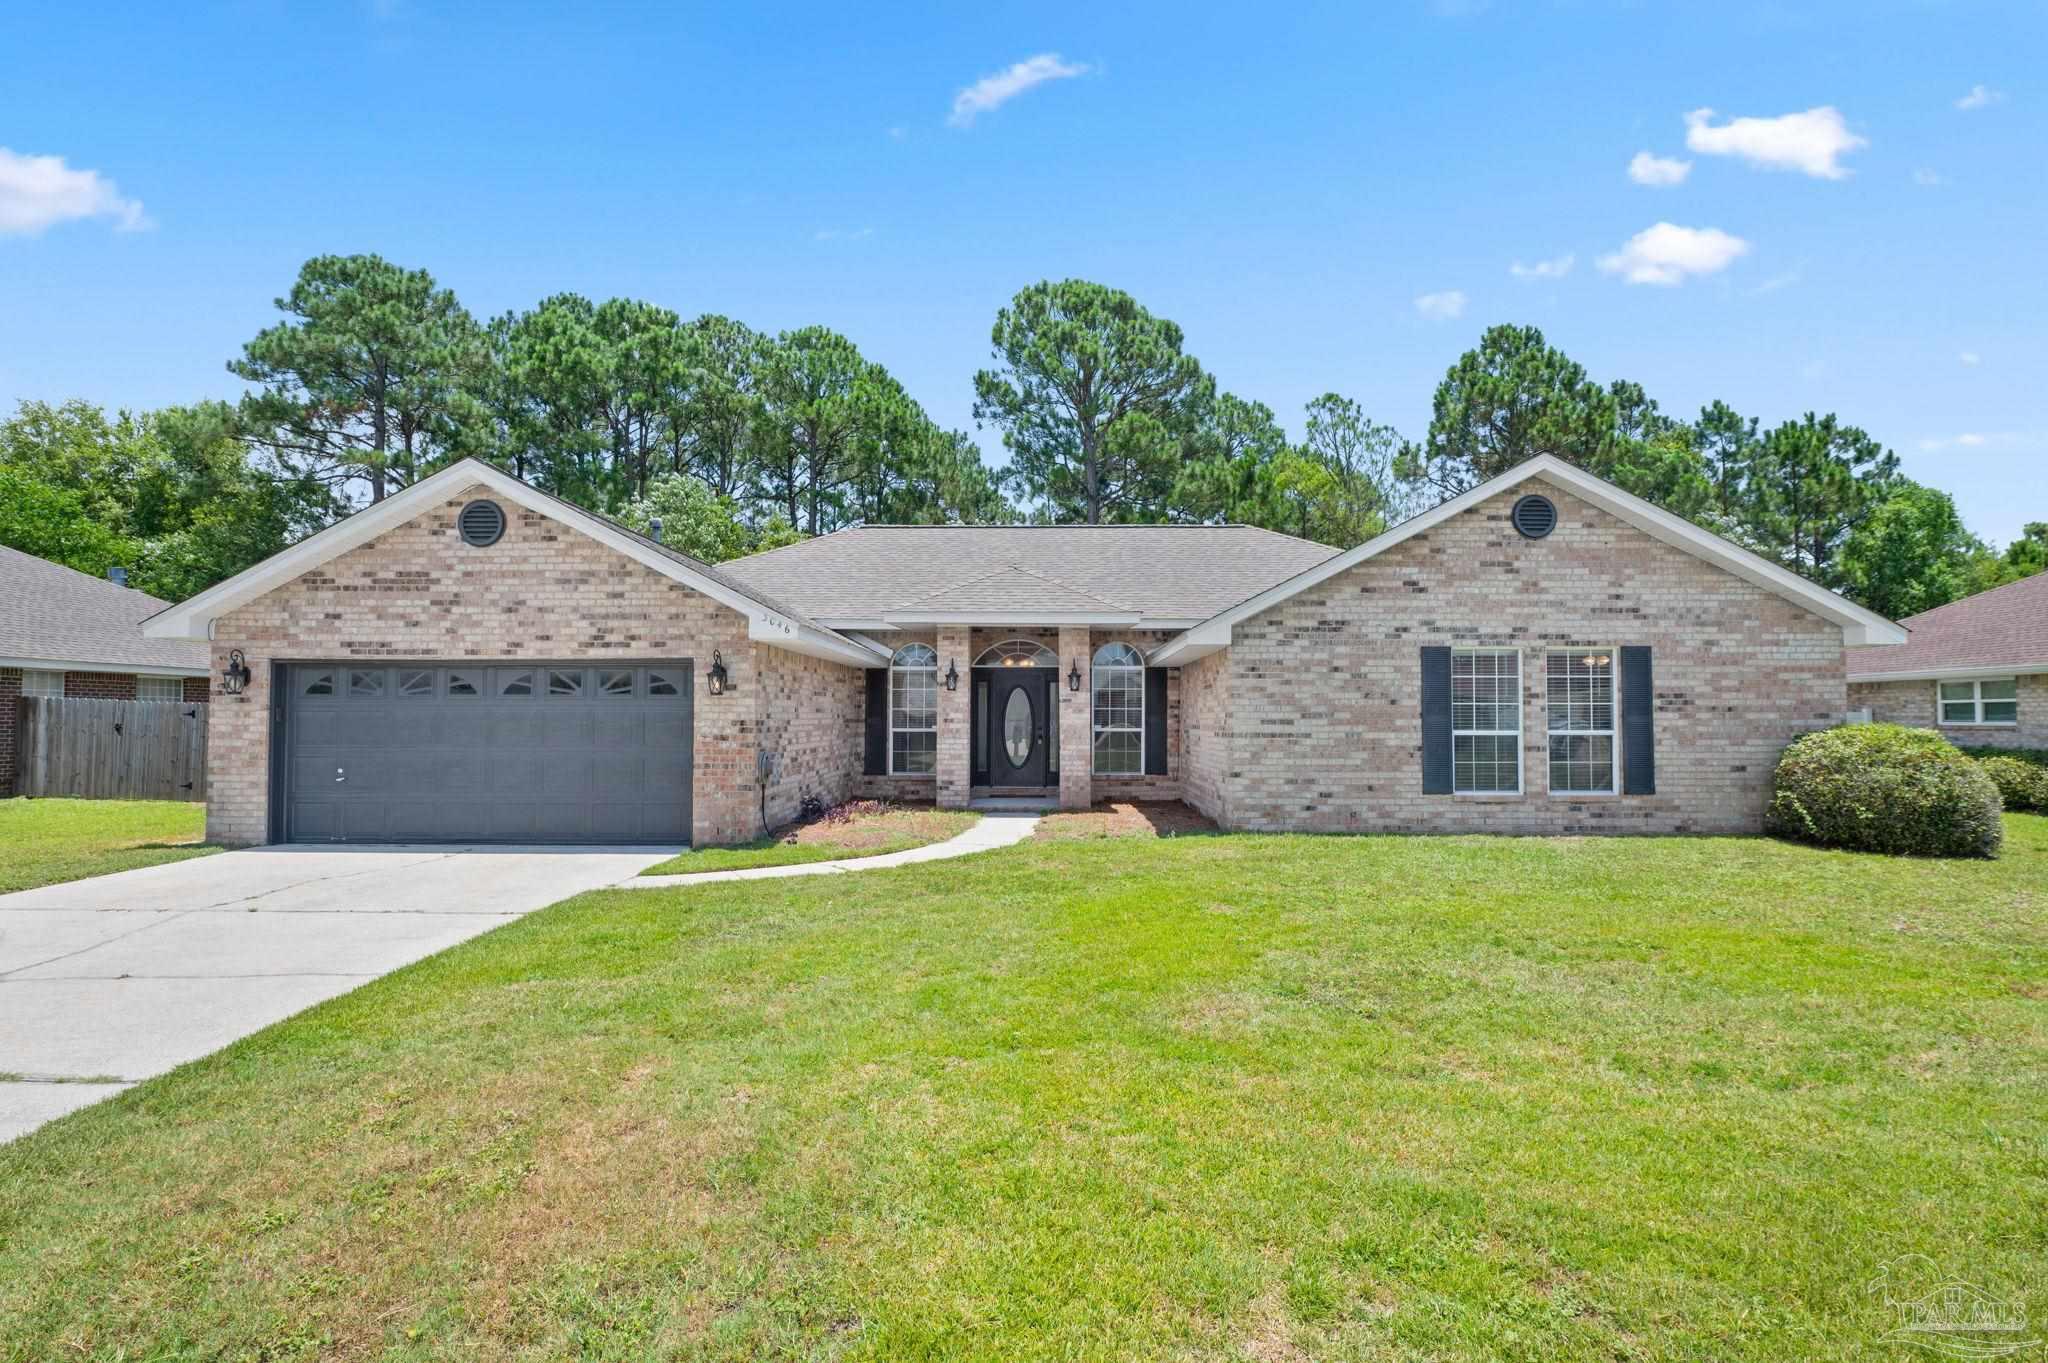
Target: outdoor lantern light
point(1074, 676)
point(235, 675)
point(715, 679)
point(952, 676)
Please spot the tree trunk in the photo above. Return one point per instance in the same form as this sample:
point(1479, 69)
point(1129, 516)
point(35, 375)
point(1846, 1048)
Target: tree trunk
point(380, 435)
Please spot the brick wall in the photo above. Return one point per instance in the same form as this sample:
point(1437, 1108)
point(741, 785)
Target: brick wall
point(10, 715)
point(1912, 702)
point(198, 689)
point(542, 591)
point(1324, 728)
point(99, 685)
point(810, 713)
point(1204, 734)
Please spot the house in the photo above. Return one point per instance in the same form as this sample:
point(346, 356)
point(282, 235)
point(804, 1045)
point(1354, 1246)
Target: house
point(1975, 669)
point(64, 633)
point(473, 659)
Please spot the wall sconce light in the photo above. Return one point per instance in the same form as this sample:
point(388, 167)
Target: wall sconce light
point(714, 680)
point(235, 675)
point(1074, 676)
point(952, 676)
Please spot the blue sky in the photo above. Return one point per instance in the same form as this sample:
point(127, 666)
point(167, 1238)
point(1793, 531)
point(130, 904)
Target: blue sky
point(1326, 197)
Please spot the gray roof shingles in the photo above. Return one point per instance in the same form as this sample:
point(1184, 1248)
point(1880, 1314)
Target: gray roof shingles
point(2004, 627)
point(1185, 572)
point(49, 613)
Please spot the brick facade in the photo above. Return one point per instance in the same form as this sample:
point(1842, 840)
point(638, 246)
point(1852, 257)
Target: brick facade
point(10, 716)
point(542, 591)
point(1912, 702)
point(1205, 735)
point(1322, 695)
point(99, 685)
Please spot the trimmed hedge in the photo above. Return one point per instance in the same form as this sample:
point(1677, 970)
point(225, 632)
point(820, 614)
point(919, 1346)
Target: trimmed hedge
point(1885, 788)
point(2038, 756)
point(2022, 784)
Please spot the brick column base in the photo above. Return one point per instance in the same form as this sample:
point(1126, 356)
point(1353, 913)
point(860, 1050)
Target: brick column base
point(1077, 747)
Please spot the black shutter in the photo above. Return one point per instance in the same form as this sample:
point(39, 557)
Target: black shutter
point(878, 722)
point(1155, 721)
point(1638, 722)
point(1436, 720)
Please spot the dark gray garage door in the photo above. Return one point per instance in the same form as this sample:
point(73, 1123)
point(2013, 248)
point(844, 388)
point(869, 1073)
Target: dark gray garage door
point(494, 752)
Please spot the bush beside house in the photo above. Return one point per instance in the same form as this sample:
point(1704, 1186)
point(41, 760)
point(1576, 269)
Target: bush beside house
point(1886, 788)
point(2023, 785)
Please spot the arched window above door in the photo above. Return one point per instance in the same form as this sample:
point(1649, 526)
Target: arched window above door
point(1017, 653)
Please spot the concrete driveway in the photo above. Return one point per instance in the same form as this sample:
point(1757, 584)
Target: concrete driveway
point(107, 981)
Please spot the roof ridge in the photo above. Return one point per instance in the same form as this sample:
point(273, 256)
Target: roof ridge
point(1974, 596)
point(106, 582)
point(1069, 587)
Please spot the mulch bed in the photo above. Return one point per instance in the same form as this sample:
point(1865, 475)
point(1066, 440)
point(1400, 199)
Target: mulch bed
point(1128, 819)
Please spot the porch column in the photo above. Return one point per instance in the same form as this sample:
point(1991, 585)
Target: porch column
point(956, 777)
point(1077, 747)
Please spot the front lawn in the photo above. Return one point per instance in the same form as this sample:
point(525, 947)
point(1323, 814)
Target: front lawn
point(43, 842)
point(1198, 1098)
point(863, 828)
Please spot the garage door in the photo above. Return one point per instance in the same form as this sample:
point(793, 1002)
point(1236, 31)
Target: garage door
point(493, 752)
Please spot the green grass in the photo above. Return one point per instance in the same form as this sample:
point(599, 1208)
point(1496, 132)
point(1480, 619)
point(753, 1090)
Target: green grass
point(865, 835)
point(1189, 1099)
point(43, 842)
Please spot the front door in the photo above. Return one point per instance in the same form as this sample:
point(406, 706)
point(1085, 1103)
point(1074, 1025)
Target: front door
point(1018, 718)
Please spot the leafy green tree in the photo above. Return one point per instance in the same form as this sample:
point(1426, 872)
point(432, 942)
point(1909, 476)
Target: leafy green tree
point(1509, 400)
point(817, 395)
point(372, 380)
point(1229, 454)
point(1092, 394)
point(694, 519)
point(1357, 494)
point(56, 523)
point(2024, 557)
point(712, 436)
point(1727, 443)
point(546, 395)
point(76, 447)
point(1910, 554)
point(643, 382)
point(1812, 482)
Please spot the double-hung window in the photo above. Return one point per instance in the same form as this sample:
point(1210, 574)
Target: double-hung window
point(1579, 685)
point(1989, 701)
point(42, 683)
point(159, 688)
point(1486, 721)
point(1118, 691)
point(914, 711)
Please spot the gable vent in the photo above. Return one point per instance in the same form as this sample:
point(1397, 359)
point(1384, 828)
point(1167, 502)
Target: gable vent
point(1534, 516)
point(481, 523)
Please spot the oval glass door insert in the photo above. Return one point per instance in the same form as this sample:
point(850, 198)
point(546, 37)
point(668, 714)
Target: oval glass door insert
point(1017, 727)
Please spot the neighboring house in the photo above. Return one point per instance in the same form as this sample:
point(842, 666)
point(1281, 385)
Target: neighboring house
point(472, 659)
point(63, 633)
point(1976, 669)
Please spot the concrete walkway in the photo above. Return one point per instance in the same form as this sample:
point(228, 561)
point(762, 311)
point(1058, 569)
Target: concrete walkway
point(993, 831)
point(120, 977)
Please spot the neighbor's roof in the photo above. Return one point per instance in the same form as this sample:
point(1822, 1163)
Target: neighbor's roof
point(56, 618)
point(2005, 628)
point(907, 574)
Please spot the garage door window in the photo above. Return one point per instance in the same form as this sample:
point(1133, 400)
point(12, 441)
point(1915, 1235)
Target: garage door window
point(515, 683)
point(565, 684)
point(415, 682)
point(662, 684)
point(317, 684)
point(611, 684)
point(366, 683)
point(464, 684)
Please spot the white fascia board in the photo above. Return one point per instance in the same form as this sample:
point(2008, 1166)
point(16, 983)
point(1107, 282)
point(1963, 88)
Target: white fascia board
point(1925, 674)
point(1009, 619)
point(1859, 626)
point(194, 619)
point(80, 665)
point(864, 622)
point(1196, 643)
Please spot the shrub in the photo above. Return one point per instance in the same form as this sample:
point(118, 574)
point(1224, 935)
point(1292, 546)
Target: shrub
point(1885, 788)
point(2038, 756)
point(2022, 784)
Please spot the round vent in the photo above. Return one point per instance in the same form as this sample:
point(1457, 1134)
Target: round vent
point(481, 523)
point(1534, 516)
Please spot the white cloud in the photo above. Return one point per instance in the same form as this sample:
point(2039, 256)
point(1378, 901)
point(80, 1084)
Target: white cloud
point(842, 234)
point(1926, 177)
point(1811, 143)
point(1967, 440)
point(41, 191)
point(1441, 307)
point(1660, 171)
point(1779, 281)
point(1667, 254)
point(1980, 97)
point(992, 92)
point(1544, 269)
point(1970, 357)
point(898, 133)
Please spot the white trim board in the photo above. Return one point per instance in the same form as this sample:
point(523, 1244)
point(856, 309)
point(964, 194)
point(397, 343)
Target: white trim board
point(1859, 626)
point(193, 619)
point(122, 669)
point(1950, 673)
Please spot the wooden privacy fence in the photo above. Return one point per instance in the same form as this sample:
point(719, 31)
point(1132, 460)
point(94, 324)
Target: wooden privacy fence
point(110, 749)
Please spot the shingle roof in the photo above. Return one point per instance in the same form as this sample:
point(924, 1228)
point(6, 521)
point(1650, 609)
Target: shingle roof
point(1183, 572)
point(2004, 627)
point(55, 615)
